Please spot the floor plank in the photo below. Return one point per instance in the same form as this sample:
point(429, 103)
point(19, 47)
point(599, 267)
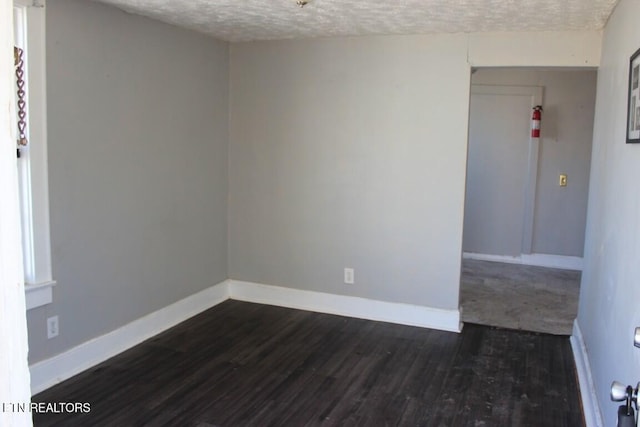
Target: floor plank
point(242, 364)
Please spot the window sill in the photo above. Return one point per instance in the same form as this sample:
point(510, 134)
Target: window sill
point(39, 294)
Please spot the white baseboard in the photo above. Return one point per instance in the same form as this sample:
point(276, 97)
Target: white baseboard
point(63, 366)
point(539, 260)
point(590, 406)
point(362, 308)
point(51, 371)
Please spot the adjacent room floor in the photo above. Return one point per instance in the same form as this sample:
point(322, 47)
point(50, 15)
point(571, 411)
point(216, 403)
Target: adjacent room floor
point(519, 296)
point(243, 364)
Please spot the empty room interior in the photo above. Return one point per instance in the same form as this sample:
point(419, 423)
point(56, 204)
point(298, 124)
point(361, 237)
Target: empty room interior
point(319, 212)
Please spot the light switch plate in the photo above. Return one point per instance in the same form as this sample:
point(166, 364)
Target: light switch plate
point(562, 182)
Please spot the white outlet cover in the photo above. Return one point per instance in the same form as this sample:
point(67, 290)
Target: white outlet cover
point(53, 327)
point(349, 276)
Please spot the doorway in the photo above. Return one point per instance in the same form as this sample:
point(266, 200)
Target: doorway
point(524, 231)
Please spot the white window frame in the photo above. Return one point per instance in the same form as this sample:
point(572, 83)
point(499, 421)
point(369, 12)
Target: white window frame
point(30, 34)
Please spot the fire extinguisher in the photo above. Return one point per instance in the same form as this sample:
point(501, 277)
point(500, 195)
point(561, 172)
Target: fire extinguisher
point(535, 121)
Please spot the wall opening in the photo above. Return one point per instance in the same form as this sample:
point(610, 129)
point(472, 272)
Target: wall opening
point(524, 229)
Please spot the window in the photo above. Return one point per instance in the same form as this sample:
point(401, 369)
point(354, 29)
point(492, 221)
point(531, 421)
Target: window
point(29, 34)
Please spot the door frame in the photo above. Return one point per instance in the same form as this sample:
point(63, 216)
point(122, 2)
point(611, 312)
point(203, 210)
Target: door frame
point(14, 369)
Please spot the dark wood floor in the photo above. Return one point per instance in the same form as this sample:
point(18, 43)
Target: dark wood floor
point(242, 364)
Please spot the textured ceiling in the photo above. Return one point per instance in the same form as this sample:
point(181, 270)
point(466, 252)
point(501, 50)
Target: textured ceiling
point(244, 20)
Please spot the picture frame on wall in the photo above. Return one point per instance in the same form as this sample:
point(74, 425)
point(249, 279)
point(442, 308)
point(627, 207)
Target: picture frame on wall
point(633, 103)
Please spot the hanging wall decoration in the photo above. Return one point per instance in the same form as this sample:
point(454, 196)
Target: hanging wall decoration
point(18, 55)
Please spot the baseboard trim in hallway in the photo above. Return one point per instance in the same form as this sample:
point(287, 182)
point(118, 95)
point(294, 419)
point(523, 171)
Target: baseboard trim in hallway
point(538, 260)
point(591, 409)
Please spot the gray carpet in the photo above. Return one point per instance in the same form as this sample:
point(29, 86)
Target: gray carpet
point(522, 297)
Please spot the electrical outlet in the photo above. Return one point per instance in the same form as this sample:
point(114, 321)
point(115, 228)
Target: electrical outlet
point(52, 327)
point(349, 276)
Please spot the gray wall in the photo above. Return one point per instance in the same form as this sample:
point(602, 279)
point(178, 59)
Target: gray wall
point(138, 135)
point(610, 288)
point(497, 170)
point(565, 147)
point(350, 152)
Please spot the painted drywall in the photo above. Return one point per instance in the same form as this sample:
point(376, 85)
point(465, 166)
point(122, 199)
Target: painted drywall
point(565, 147)
point(138, 135)
point(540, 49)
point(342, 155)
point(351, 152)
point(497, 172)
point(610, 291)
